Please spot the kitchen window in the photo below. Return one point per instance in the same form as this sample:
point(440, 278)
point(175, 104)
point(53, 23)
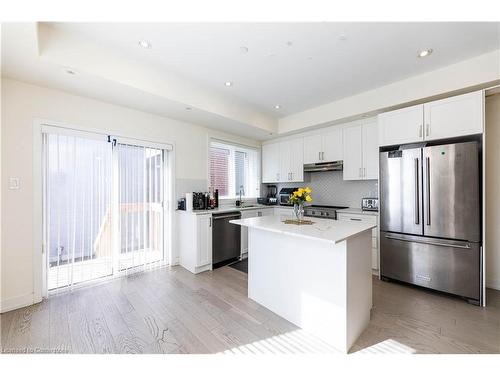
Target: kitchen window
point(234, 168)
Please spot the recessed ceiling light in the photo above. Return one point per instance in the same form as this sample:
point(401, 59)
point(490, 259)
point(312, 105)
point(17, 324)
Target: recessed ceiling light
point(243, 49)
point(277, 106)
point(144, 43)
point(425, 52)
point(289, 43)
point(228, 83)
point(188, 108)
point(342, 37)
point(70, 71)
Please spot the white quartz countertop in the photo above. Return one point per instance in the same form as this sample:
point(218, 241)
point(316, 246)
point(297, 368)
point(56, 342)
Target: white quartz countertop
point(323, 229)
point(223, 209)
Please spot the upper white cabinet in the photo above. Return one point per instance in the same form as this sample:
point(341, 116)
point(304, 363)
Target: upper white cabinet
point(447, 118)
point(361, 151)
point(353, 154)
point(401, 126)
point(323, 147)
point(283, 161)
point(370, 149)
point(292, 160)
point(454, 117)
point(271, 162)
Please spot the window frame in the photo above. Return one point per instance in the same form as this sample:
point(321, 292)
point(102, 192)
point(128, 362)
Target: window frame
point(254, 180)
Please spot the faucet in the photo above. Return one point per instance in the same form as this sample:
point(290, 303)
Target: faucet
point(239, 203)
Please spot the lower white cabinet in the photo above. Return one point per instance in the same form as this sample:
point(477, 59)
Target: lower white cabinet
point(244, 230)
point(368, 218)
point(195, 241)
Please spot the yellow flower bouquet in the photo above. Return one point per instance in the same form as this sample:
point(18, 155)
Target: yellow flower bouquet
point(298, 198)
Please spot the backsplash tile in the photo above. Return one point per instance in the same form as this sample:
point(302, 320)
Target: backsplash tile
point(329, 188)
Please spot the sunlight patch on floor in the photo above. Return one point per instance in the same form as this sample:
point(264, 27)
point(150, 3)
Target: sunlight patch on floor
point(388, 346)
point(293, 342)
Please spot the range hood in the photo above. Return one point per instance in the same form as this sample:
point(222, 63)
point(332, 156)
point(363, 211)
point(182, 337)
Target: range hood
point(323, 167)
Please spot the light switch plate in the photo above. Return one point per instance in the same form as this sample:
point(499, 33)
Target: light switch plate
point(14, 183)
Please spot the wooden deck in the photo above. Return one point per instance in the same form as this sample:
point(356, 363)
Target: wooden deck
point(170, 310)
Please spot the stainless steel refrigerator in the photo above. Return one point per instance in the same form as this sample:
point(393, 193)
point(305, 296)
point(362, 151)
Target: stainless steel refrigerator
point(430, 218)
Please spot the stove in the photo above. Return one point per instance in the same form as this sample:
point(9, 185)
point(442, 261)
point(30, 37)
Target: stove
point(326, 212)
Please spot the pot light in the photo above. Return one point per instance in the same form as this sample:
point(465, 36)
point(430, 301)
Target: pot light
point(144, 43)
point(188, 108)
point(243, 49)
point(425, 52)
point(228, 83)
point(277, 106)
point(70, 71)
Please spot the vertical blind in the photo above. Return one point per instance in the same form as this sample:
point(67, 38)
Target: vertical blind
point(103, 207)
point(78, 193)
point(140, 205)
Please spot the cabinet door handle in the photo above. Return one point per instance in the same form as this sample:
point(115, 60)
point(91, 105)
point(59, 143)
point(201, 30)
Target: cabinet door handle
point(427, 130)
point(360, 174)
point(319, 155)
point(420, 130)
point(364, 172)
point(322, 155)
point(353, 219)
point(210, 223)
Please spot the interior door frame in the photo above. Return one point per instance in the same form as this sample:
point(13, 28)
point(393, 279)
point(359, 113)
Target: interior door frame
point(40, 289)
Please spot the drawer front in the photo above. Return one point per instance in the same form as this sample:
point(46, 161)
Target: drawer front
point(357, 217)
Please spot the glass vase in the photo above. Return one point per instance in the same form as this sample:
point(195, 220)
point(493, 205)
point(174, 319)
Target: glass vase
point(298, 210)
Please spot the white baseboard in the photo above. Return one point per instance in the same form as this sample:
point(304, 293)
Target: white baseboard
point(493, 284)
point(17, 302)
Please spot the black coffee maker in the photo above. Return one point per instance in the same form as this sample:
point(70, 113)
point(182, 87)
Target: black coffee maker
point(271, 196)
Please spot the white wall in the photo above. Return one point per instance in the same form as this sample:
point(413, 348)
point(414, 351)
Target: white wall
point(21, 104)
point(493, 191)
point(469, 73)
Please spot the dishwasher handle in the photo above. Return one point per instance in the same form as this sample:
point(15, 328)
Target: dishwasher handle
point(217, 217)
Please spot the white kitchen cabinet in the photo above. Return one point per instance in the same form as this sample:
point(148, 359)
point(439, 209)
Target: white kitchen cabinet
point(283, 161)
point(244, 230)
point(323, 147)
point(401, 126)
point(195, 241)
point(370, 149)
point(361, 151)
point(312, 149)
point(368, 218)
point(446, 118)
point(454, 117)
point(353, 153)
point(332, 145)
point(271, 162)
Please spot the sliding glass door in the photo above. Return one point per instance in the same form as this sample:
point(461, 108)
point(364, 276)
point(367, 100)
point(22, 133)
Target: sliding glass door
point(141, 193)
point(103, 206)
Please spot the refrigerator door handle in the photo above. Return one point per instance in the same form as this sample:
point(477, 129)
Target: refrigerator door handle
point(417, 194)
point(467, 246)
point(428, 186)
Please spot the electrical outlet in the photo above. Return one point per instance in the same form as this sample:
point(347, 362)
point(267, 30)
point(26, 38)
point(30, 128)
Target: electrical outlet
point(14, 183)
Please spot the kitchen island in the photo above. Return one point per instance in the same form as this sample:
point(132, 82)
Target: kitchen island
point(316, 276)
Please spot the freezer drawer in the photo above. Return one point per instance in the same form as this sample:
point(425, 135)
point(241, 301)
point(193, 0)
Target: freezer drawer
point(444, 265)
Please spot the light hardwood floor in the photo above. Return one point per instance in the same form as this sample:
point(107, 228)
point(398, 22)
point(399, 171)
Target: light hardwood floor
point(173, 311)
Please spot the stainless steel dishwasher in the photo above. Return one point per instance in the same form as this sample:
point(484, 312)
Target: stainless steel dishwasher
point(226, 239)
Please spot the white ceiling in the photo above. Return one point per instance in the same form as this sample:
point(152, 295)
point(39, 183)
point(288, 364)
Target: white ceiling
point(295, 65)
